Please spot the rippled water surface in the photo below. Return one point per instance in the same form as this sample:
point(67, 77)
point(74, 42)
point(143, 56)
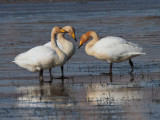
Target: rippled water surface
point(86, 94)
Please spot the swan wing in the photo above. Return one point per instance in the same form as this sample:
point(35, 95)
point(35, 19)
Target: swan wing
point(115, 49)
point(48, 44)
point(107, 45)
point(122, 52)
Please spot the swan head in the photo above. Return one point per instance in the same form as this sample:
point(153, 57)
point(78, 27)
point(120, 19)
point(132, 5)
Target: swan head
point(84, 38)
point(71, 31)
point(57, 30)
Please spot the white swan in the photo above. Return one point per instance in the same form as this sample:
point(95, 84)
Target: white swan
point(110, 49)
point(65, 45)
point(42, 57)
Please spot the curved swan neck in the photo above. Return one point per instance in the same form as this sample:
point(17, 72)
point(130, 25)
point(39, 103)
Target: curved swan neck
point(56, 48)
point(61, 39)
point(92, 42)
point(65, 45)
point(95, 37)
point(53, 40)
point(93, 34)
point(60, 36)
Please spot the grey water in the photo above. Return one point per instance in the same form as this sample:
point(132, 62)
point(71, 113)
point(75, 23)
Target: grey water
point(86, 94)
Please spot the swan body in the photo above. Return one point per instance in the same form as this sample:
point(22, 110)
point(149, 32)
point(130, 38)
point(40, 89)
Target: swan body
point(111, 49)
point(42, 57)
point(114, 49)
point(65, 45)
point(36, 59)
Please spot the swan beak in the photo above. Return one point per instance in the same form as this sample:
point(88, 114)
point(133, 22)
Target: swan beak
point(74, 37)
point(80, 44)
point(63, 31)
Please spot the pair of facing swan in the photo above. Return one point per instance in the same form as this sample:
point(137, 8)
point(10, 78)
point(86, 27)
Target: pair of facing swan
point(57, 53)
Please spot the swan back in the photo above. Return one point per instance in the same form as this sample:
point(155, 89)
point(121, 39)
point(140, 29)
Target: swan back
point(115, 49)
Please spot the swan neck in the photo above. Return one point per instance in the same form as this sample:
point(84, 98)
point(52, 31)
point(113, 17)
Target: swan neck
point(60, 36)
point(65, 45)
point(53, 40)
point(54, 46)
point(95, 38)
point(94, 35)
point(91, 43)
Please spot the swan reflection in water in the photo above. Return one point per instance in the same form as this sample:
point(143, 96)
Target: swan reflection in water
point(85, 99)
point(111, 76)
point(37, 96)
point(78, 93)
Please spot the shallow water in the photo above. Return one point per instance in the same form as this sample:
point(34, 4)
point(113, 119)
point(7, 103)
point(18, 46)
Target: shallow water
point(86, 94)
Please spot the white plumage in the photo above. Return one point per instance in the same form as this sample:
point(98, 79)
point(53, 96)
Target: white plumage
point(36, 59)
point(115, 49)
point(42, 57)
point(49, 45)
point(65, 45)
point(111, 49)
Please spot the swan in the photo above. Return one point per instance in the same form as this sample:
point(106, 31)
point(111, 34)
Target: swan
point(65, 45)
point(111, 49)
point(42, 57)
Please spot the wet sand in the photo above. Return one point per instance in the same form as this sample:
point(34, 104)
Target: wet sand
point(86, 94)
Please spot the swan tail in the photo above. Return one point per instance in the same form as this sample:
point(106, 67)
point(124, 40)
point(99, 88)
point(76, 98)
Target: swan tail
point(26, 65)
point(137, 53)
point(134, 54)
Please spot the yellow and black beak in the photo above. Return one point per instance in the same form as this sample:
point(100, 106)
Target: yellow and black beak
point(63, 31)
point(74, 37)
point(80, 44)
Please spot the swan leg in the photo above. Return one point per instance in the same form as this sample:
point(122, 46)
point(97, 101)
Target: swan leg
point(50, 73)
point(41, 75)
point(110, 69)
point(131, 64)
point(62, 76)
point(62, 71)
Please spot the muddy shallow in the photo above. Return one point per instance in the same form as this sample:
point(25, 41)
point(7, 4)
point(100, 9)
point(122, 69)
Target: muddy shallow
point(86, 94)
